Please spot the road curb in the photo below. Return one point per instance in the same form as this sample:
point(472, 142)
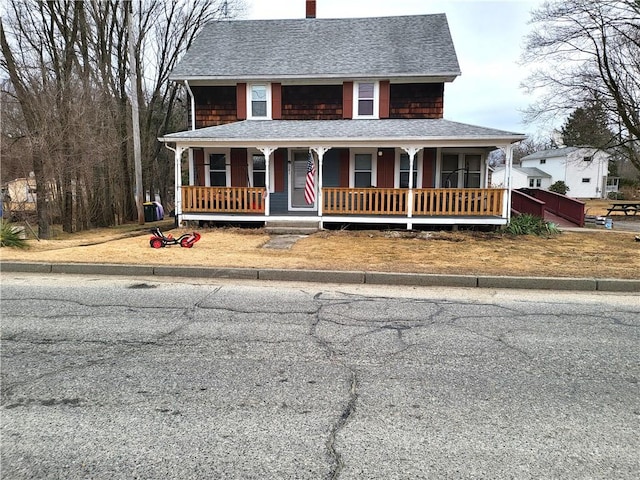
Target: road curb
point(331, 276)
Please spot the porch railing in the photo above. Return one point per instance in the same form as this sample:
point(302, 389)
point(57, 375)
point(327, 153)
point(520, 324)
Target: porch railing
point(427, 201)
point(355, 201)
point(222, 199)
point(458, 201)
point(365, 201)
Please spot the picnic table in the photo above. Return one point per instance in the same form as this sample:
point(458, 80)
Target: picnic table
point(626, 207)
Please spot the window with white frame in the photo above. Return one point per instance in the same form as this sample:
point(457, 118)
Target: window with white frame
point(461, 170)
point(217, 170)
point(259, 100)
point(588, 158)
point(535, 182)
point(363, 170)
point(404, 171)
point(365, 99)
point(472, 170)
point(586, 180)
point(259, 171)
point(543, 161)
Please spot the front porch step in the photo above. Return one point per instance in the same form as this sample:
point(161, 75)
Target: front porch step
point(292, 227)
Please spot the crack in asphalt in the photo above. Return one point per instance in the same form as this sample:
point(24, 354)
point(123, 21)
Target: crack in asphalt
point(127, 348)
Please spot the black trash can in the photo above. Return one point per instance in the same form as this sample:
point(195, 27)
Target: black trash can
point(150, 212)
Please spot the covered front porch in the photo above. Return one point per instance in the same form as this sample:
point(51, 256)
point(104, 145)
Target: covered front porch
point(405, 172)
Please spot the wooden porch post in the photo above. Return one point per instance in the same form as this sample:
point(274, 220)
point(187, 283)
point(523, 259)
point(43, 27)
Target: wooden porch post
point(411, 151)
point(320, 151)
point(267, 151)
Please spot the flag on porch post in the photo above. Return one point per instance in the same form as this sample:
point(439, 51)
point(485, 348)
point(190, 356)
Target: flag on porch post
point(310, 185)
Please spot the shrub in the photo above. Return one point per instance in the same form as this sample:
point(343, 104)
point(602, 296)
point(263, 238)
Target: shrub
point(559, 187)
point(527, 224)
point(615, 196)
point(10, 236)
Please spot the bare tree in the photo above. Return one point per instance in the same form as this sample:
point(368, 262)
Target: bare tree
point(588, 50)
point(68, 69)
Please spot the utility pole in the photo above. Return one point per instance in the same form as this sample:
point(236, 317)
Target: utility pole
point(135, 117)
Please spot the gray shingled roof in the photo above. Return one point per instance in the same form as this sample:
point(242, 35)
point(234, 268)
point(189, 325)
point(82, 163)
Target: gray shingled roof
point(267, 131)
point(550, 153)
point(403, 46)
point(532, 172)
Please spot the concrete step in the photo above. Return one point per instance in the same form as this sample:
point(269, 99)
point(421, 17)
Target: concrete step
point(293, 227)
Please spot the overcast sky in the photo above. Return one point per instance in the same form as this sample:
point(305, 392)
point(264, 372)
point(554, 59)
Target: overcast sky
point(488, 36)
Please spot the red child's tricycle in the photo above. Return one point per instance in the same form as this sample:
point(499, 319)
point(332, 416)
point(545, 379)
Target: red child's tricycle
point(158, 240)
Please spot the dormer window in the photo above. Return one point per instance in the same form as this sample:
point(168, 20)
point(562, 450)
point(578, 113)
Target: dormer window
point(365, 99)
point(259, 101)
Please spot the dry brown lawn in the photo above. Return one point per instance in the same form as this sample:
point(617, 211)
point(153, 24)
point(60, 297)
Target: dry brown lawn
point(593, 253)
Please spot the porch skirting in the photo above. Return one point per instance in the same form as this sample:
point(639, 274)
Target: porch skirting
point(345, 219)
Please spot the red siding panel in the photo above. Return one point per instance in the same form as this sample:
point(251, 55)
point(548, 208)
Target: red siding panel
point(347, 100)
point(241, 101)
point(385, 91)
point(276, 101)
point(428, 167)
point(279, 162)
point(386, 167)
point(198, 160)
point(239, 168)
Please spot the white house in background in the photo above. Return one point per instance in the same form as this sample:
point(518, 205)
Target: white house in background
point(584, 170)
point(525, 177)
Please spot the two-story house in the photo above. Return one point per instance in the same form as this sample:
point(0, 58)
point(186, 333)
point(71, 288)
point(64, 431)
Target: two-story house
point(583, 169)
point(331, 121)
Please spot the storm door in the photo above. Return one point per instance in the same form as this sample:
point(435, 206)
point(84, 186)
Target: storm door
point(298, 178)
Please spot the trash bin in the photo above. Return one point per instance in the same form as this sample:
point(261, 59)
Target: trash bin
point(150, 212)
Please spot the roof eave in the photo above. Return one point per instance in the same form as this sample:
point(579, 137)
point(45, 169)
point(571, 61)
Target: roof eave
point(424, 142)
point(446, 77)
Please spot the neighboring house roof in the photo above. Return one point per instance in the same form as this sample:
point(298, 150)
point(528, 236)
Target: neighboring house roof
point(557, 152)
point(532, 172)
point(550, 153)
point(337, 132)
point(383, 47)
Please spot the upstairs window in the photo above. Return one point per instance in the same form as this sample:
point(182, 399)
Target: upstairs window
point(259, 101)
point(365, 100)
point(587, 159)
point(543, 161)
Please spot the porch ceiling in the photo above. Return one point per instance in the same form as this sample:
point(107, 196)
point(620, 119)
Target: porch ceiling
point(344, 133)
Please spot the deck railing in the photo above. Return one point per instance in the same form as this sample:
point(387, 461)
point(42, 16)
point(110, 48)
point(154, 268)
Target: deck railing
point(427, 201)
point(355, 201)
point(458, 201)
point(365, 201)
point(222, 199)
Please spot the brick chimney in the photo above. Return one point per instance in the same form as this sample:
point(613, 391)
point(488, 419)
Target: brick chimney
point(311, 8)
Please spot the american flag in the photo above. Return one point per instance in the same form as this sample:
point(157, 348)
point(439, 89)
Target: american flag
point(310, 185)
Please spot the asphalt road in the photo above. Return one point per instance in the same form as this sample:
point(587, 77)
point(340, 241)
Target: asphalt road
point(122, 378)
